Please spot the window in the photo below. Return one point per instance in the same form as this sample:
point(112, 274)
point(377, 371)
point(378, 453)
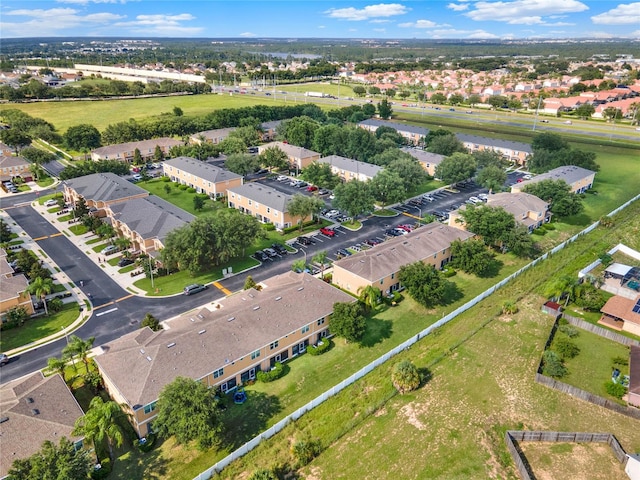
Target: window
point(218, 373)
point(382, 282)
point(250, 202)
point(274, 345)
point(268, 210)
point(255, 354)
point(305, 329)
point(149, 408)
point(393, 275)
point(321, 321)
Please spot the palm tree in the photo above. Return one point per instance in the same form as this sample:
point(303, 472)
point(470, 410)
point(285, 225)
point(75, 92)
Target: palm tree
point(321, 258)
point(41, 287)
point(560, 287)
point(80, 348)
point(58, 365)
point(405, 376)
point(101, 422)
point(369, 296)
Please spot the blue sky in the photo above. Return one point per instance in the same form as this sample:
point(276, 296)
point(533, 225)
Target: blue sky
point(459, 19)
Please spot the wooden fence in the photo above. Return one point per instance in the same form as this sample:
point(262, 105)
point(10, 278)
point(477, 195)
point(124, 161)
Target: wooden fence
point(513, 438)
point(602, 332)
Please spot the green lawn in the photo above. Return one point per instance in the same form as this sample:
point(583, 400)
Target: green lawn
point(45, 182)
point(593, 365)
point(78, 229)
point(180, 198)
point(37, 328)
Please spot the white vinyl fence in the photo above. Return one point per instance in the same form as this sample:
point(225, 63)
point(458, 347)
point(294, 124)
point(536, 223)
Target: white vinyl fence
point(254, 442)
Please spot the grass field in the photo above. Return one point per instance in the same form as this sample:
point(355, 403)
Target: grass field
point(180, 198)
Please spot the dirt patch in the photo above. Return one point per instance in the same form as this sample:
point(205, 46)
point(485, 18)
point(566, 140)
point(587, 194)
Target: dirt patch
point(380, 412)
point(410, 412)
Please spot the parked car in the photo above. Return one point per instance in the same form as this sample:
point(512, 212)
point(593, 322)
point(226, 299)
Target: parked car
point(282, 178)
point(301, 184)
point(332, 213)
point(323, 191)
point(195, 288)
point(271, 252)
point(278, 247)
point(51, 203)
point(483, 196)
point(312, 188)
point(475, 200)
point(261, 256)
point(341, 252)
point(305, 241)
point(428, 198)
point(392, 233)
point(123, 262)
point(400, 231)
point(4, 359)
point(405, 227)
point(109, 250)
point(328, 232)
point(372, 242)
point(527, 177)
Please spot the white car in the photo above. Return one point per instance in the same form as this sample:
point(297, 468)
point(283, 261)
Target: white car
point(483, 196)
point(527, 177)
point(51, 203)
point(282, 178)
point(137, 177)
point(475, 200)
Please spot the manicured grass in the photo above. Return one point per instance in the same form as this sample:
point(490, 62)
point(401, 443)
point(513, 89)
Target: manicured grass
point(385, 213)
point(65, 218)
point(45, 182)
point(352, 225)
point(98, 248)
point(127, 269)
point(324, 87)
point(94, 240)
point(37, 328)
point(78, 229)
point(593, 365)
point(425, 187)
point(180, 198)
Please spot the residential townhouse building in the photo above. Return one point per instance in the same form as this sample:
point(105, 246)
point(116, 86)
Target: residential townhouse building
point(349, 169)
point(205, 178)
point(412, 134)
point(13, 289)
point(516, 152)
point(379, 266)
point(125, 152)
point(5, 150)
point(267, 204)
point(101, 189)
point(579, 179)
point(211, 136)
point(223, 346)
point(428, 160)
point(11, 167)
point(269, 130)
point(35, 409)
point(299, 157)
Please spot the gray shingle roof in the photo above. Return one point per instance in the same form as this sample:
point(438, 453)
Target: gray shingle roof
point(388, 257)
point(140, 363)
point(291, 150)
point(263, 195)
point(351, 165)
point(144, 146)
point(495, 142)
point(203, 170)
point(569, 173)
point(517, 203)
point(423, 156)
point(218, 133)
point(104, 187)
point(11, 161)
point(401, 127)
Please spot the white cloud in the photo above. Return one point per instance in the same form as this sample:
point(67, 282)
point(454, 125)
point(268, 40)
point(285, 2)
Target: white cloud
point(321, 26)
point(379, 20)
point(558, 24)
point(247, 34)
point(621, 15)
point(161, 24)
point(600, 35)
point(368, 12)
point(419, 24)
point(54, 21)
point(523, 12)
point(458, 7)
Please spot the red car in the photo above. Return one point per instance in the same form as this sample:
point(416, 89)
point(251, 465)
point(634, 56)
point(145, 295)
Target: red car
point(328, 232)
point(312, 188)
point(406, 228)
point(519, 180)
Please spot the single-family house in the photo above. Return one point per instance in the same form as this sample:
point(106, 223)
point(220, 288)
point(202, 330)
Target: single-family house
point(267, 204)
point(34, 409)
point(578, 178)
point(224, 345)
point(412, 134)
point(299, 157)
point(350, 169)
point(205, 178)
point(13, 288)
point(211, 136)
point(632, 468)
point(428, 160)
point(622, 313)
point(125, 152)
point(379, 266)
point(5, 150)
point(12, 167)
point(516, 152)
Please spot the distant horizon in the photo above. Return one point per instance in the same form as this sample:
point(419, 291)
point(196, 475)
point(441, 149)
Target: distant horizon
point(463, 20)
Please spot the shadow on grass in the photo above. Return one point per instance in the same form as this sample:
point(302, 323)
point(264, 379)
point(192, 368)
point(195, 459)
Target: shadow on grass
point(243, 422)
point(377, 330)
point(425, 376)
point(137, 464)
point(452, 294)
point(493, 269)
point(580, 220)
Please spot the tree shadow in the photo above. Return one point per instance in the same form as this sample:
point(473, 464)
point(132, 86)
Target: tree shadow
point(243, 422)
point(452, 294)
point(425, 376)
point(151, 465)
point(492, 270)
point(376, 331)
point(580, 219)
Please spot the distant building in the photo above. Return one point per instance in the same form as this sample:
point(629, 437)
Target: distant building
point(266, 204)
point(578, 178)
point(299, 157)
point(205, 178)
point(269, 130)
point(34, 409)
point(211, 136)
point(428, 160)
point(379, 266)
point(412, 134)
point(349, 169)
point(516, 152)
point(126, 151)
point(223, 346)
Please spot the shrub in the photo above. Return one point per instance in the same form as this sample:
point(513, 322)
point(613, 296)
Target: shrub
point(320, 348)
point(405, 377)
point(563, 321)
point(166, 179)
point(548, 226)
point(103, 472)
point(269, 227)
point(182, 187)
point(615, 389)
point(305, 451)
point(540, 231)
point(566, 348)
point(569, 331)
point(448, 272)
point(263, 474)
point(274, 374)
point(509, 307)
point(147, 445)
point(191, 190)
point(552, 365)
point(623, 361)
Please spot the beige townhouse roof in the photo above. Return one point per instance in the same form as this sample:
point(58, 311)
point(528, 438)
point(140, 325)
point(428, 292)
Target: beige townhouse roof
point(200, 169)
point(519, 204)
point(12, 286)
point(569, 173)
point(145, 146)
point(423, 156)
point(11, 161)
point(387, 258)
point(351, 165)
point(291, 150)
point(34, 409)
point(104, 187)
point(197, 343)
point(263, 195)
point(217, 134)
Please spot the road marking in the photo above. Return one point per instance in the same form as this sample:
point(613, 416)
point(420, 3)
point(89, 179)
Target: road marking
point(124, 298)
point(55, 235)
point(221, 288)
point(106, 311)
point(47, 236)
point(412, 216)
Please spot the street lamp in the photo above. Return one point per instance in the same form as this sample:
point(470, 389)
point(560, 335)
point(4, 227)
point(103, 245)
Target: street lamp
point(66, 335)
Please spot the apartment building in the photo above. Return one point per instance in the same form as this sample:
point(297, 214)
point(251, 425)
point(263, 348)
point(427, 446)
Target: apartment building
point(126, 151)
point(412, 134)
point(13, 288)
point(428, 160)
point(349, 169)
point(11, 167)
point(205, 178)
point(516, 152)
point(267, 204)
point(299, 157)
point(579, 179)
point(211, 136)
point(101, 189)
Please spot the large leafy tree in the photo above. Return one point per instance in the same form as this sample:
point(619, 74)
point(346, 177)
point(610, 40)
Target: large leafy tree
point(320, 174)
point(446, 145)
point(53, 462)
point(300, 131)
point(15, 138)
point(41, 287)
point(302, 207)
point(560, 287)
point(405, 376)
point(248, 134)
point(369, 296)
point(83, 136)
point(492, 177)
point(242, 163)
point(273, 157)
point(361, 144)
point(330, 140)
point(102, 422)
point(519, 242)
point(384, 109)
point(456, 168)
point(487, 158)
point(424, 283)
point(231, 145)
point(471, 256)
point(387, 187)
point(409, 170)
point(77, 347)
point(347, 321)
point(558, 194)
point(5, 231)
point(491, 223)
point(188, 410)
point(354, 197)
point(37, 155)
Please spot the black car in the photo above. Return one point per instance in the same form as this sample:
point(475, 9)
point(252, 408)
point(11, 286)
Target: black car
point(124, 262)
point(304, 241)
point(392, 233)
point(341, 252)
point(278, 247)
point(261, 256)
